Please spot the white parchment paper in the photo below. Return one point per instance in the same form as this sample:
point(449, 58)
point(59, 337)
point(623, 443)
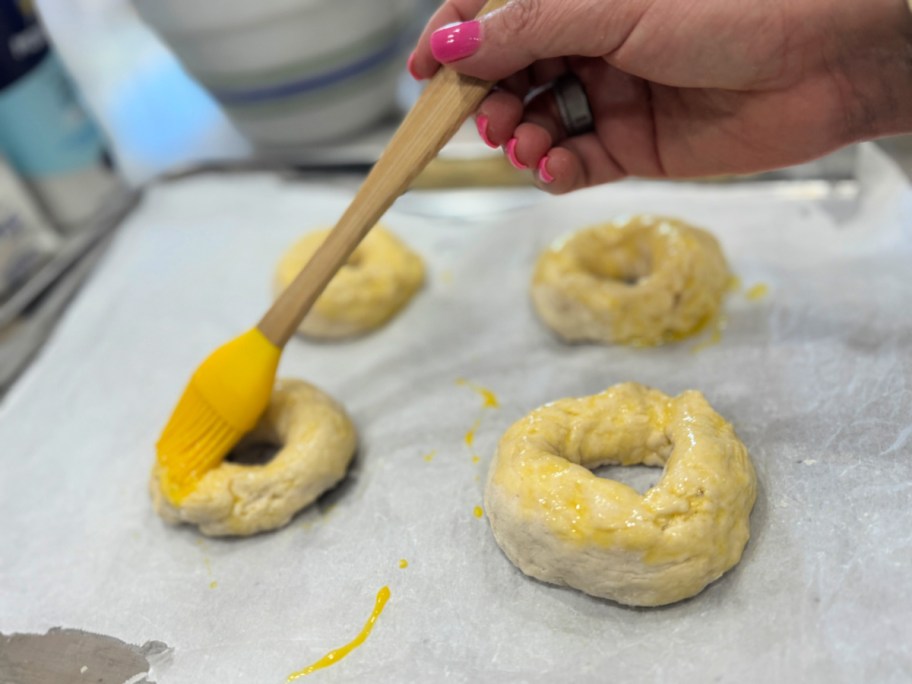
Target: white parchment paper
point(816, 377)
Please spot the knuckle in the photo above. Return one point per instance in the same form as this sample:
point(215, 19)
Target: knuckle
point(522, 16)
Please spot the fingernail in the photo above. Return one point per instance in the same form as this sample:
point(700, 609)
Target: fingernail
point(410, 65)
point(482, 124)
point(456, 41)
point(510, 148)
point(543, 174)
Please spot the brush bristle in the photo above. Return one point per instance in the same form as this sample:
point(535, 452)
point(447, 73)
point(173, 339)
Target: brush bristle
point(195, 440)
point(226, 396)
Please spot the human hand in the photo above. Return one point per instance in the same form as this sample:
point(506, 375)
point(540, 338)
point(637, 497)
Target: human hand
point(679, 88)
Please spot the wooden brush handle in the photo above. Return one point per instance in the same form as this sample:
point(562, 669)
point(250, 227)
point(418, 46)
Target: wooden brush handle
point(439, 112)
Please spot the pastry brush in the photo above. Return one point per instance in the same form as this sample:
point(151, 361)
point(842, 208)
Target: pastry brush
point(230, 390)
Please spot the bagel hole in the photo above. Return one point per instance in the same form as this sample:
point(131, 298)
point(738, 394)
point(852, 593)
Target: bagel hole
point(255, 449)
point(625, 264)
point(640, 477)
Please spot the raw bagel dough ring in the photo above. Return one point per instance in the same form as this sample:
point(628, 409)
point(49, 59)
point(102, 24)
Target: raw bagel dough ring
point(560, 523)
point(318, 441)
point(380, 278)
point(644, 281)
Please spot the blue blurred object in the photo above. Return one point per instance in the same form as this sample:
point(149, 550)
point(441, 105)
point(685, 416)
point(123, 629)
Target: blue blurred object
point(155, 117)
point(163, 114)
point(44, 130)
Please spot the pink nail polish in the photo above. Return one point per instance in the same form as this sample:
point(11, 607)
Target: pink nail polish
point(410, 65)
point(482, 124)
point(510, 148)
point(456, 41)
point(543, 174)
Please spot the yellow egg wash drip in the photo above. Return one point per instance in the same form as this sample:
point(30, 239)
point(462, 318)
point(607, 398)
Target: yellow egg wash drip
point(477, 512)
point(715, 336)
point(403, 564)
point(209, 572)
point(430, 456)
point(338, 654)
point(212, 583)
point(715, 321)
point(490, 399)
point(470, 435)
point(758, 291)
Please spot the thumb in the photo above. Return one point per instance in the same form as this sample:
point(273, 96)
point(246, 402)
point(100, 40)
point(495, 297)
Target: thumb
point(509, 39)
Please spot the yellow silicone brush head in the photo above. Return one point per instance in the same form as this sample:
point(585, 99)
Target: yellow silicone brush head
point(223, 401)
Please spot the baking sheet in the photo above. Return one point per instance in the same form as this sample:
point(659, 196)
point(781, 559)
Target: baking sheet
point(28, 315)
point(816, 377)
